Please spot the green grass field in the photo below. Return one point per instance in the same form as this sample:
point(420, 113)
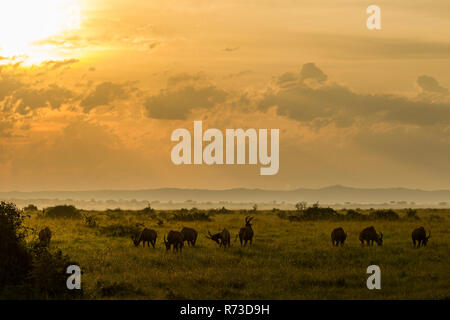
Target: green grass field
point(288, 260)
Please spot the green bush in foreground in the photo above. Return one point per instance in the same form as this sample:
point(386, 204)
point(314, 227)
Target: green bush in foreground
point(29, 270)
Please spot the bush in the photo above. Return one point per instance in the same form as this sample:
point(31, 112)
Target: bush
point(90, 221)
point(384, 215)
point(108, 289)
point(28, 271)
point(48, 276)
point(222, 210)
point(148, 211)
point(30, 207)
point(311, 213)
point(120, 230)
point(189, 215)
point(63, 211)
point(411, 214)
point(355, 215)
point(14, 256)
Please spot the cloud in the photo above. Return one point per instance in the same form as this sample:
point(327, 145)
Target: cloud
point(231, 49)
point(179, 103)
point(105, 93)
point(29, 98)
point(184, 77)
point(8, 85)
point(53, 65)
point(5, 127)
point(336, 103)
point(430, 84)
point(310, 71)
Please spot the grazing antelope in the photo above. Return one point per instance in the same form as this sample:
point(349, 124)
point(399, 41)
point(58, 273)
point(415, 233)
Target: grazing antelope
point(420, 236)
point(369, 235)
point(147, 235)
point(45, 235)
point(189, 235)
point(175, 239)
point(338, 236)
point(246, 233)
point(222, 238)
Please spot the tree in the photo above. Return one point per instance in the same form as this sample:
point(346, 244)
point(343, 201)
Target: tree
point(301, 206)
point(14, 256)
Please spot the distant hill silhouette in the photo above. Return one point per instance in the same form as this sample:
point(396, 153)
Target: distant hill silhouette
point(332, 194)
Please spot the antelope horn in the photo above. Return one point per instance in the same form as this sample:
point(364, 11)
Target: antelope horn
point(429, 234)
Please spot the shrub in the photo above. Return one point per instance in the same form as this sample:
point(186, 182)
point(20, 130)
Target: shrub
point(62, 211)
point(148, 210)
point(14, 256)
point(411, 214)
point(30, 207)
point(90, 221)
point(222, 210)
point(311, 213)
point(28, 271)
point(48, 276)
point(354, 215)
point(115, 289)
point(120, 230)
point(189, 215)
point(384, 215)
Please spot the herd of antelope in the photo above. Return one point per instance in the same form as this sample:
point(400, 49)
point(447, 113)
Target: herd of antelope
point(176, 239)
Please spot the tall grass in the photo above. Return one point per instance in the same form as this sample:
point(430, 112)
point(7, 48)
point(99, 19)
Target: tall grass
point(289, 259)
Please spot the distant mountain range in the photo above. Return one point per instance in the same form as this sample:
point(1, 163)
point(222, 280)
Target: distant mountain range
point(332, 194)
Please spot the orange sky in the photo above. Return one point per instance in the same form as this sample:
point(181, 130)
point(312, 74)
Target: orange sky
point(90, 91)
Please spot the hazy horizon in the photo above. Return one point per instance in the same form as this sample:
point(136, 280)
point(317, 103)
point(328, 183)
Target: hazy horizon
point(224, 189)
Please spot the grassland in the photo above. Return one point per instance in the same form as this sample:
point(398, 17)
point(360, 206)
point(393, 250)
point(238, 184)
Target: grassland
point(288, 260)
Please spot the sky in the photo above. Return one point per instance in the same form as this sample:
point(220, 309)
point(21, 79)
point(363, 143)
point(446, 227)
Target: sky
point(90, 91)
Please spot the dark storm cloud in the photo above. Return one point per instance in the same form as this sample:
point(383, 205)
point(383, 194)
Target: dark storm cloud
point(430, 84)
point(105, 93)
point(339, 104)
point(52, 96)
point(178, 104)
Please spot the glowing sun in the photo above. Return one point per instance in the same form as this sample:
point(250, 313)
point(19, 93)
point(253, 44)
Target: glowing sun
point(25, 22)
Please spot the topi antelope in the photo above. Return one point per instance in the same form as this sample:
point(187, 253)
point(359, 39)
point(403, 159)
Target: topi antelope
point(338, 236)
point(189, 235)
point(147, 235)
point(45, 235)
point(246, 233)
point(222, 238)
point(175, 239)
point(420, 236)
point(369, 235)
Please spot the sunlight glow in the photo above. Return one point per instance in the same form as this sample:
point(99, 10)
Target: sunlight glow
point(24, 22)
